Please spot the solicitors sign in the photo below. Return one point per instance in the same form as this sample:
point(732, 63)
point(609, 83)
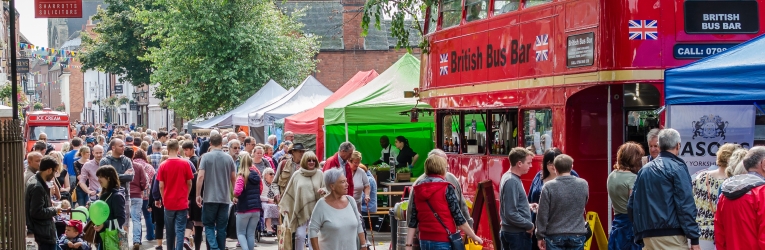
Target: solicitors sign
point(58, 8)
point(704, 128)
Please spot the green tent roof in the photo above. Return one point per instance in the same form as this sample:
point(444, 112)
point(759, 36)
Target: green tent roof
point(382, 99)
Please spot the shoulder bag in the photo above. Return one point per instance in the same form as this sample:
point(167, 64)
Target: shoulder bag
point(455, 239)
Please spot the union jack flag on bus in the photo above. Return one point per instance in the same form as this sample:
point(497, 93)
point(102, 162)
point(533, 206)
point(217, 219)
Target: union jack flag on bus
point(444, 62)
point(541, 46)
point(644, 29)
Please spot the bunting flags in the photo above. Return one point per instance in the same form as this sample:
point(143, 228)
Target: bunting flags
point(50, 51)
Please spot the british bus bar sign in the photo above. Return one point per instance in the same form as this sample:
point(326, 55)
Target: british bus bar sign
point(580, 50)
point(721, 17)
point(22, 66)
point(58, 8)
point(696, 51)
point(704, 128)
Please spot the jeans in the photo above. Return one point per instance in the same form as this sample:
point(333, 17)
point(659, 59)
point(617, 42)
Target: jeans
point(300, 237)
point(565, 242)
point(215, 220)
point(246, 225)
point(515, 241)
point(135, 217)
point(82, 196)
point(434, 245)
point(176, 225)
point(621, 236)
point(148, 220)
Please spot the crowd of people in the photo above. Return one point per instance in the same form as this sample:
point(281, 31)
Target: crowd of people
point(183, 187)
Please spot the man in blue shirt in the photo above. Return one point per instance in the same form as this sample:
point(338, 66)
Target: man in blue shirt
point(278, 155)
point(69, 159)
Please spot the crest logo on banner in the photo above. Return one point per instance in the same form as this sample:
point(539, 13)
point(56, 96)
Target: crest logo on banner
point(709, 126)
point(705, 128)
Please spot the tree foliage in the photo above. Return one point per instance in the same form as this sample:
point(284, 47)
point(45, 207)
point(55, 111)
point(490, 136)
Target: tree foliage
point(215, 54)
point(406, 17)
point(120, 42)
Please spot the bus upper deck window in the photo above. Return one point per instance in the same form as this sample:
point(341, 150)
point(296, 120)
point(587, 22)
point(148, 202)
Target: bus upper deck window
point(537, 130)
point(451, 13)
point(433, 22)
point(476, 9)
point(504, 6)
point(531, 3)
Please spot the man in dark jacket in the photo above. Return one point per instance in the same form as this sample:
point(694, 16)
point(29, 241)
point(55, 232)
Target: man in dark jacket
point(40, 211)
point(124, 167)
point(661, 206)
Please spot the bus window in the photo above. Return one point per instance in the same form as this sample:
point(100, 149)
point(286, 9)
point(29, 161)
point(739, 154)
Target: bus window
point(433, 22)
point(450, 132)
point(451, 13)
point(475, 134)
point(504, 6)
point(504, 131)
point(476, 9)
point(531, 3)
point(537, 130)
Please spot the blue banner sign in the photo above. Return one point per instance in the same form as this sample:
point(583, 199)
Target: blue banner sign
point(696, 51)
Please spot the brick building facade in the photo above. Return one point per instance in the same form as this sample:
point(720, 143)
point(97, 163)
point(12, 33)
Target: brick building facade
point(344, 52)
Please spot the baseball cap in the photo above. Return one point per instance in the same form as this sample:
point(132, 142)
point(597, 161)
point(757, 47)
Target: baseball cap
point(75, 224)
point(128, 139)
point(90, 139)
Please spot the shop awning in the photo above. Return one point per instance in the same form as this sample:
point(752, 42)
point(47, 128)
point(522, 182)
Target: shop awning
point(734, 76)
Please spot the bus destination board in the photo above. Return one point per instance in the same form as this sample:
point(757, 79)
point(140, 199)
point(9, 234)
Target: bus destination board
point(721, 17)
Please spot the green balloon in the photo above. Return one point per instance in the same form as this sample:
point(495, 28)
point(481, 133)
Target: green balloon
point(99, 212)
point(80, 214)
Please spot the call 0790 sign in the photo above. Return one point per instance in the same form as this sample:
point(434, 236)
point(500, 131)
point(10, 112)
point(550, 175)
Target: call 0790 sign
point(721, 17)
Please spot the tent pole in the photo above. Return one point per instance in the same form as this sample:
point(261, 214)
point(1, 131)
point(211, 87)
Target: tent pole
point(346, 131)
point(324, 130)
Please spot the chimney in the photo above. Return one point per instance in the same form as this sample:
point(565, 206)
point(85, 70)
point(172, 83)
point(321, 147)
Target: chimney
point(352, 12)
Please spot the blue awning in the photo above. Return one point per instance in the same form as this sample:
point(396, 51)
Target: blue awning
point(734, 76)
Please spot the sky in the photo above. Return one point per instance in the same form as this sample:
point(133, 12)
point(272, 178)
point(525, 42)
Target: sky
point(35, 29)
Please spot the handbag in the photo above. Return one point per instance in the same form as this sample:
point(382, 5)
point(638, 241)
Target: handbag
point(231, 227)
point(455, 239)
point(114, 237)
point(284, 234)
point(89, 232)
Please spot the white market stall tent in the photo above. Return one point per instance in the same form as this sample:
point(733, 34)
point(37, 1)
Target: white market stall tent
point(307, 95)
point(269, 93)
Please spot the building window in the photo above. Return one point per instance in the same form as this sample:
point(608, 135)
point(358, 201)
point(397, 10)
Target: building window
point(451, 13)
point(537, 130)
point(476, 9)
point(504, 6)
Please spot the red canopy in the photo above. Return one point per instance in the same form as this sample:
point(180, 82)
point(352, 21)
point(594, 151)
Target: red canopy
point(312, 120)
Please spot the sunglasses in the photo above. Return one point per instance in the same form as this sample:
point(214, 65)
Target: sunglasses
point(271, 174)
point(312, 160)
point(234, 147)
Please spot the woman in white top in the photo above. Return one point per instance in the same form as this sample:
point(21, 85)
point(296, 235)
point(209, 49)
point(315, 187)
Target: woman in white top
point(360, 178)
point(335, 221)
point(269, 198)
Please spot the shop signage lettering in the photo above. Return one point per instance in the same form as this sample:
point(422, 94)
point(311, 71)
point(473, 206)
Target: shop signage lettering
point(580, 50)
point(469, 59)
point(719, 16)
point(696, 51)
point(134, 106)
point(705, 128)
point(118, 89)
point(58, 8)
point(46, 118)
point(22, 66)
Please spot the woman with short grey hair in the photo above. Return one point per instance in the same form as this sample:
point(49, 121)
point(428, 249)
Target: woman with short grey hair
point(653, 145)
point(335, 220)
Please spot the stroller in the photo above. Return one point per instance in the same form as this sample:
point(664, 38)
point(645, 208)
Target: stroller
point(60, 221)
point(261, 229)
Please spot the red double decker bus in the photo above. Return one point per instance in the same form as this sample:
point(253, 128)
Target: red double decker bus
point(584, 76)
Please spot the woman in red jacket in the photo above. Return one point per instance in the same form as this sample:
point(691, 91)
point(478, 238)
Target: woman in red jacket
point(434, 195)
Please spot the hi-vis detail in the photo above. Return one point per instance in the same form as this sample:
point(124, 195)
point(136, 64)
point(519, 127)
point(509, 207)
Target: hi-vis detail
point(444, 64)
point(644, 29)
point(541, 46)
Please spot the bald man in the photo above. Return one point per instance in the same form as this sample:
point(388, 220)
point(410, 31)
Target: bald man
point(33, 159)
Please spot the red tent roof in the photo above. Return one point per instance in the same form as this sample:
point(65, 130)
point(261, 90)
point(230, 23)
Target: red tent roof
point(307, 122)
